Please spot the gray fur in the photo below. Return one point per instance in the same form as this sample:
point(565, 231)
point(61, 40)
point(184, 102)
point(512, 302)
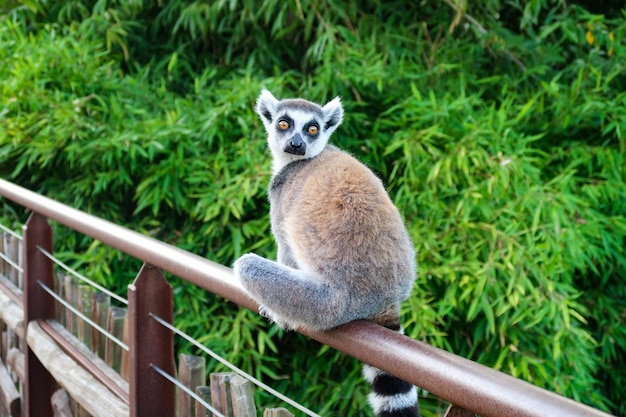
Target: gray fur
point(299, 104)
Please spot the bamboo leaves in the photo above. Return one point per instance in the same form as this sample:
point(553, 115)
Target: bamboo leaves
point(511, 177)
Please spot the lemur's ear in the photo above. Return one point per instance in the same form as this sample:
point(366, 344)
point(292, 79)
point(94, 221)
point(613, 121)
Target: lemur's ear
point(333, 114)
point(266, 106)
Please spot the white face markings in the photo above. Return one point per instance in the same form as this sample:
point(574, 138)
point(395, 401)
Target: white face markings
point(296, 134)
point(297, 128)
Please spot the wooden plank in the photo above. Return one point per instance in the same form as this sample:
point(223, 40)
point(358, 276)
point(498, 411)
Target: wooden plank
point(14, 254)
point(100, 314)
point(6, 249)
point(3, 411)
point(8, 269)
point(81, 412)
point(4, 348)
point(10, 396)
point(220, 392)
point(115, 326)
point(125, 359)
point(242, 397)
point(12, 314)
point(3, 264)
point(70, 297)
point(93, 396)
point(59, 288)
point(277, 412)
point(203, 392)
point(11, 290)
point(61, 404)
point(91, 356)
point(15, 361)
point(74, 295)
point(192, 374)
point(84, 329)
point(20, 262)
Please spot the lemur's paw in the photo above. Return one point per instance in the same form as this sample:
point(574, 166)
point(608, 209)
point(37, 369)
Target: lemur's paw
point(265, 312)
point(278, 320)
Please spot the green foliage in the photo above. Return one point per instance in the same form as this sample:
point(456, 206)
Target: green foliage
point(500, 138)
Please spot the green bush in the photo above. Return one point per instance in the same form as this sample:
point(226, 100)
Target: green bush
point(499, 137)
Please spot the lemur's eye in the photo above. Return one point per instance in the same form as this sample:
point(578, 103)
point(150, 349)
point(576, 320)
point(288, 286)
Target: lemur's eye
point(313, 130)
point(283, 125)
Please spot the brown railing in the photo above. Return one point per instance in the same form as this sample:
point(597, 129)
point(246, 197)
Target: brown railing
point(466, 384)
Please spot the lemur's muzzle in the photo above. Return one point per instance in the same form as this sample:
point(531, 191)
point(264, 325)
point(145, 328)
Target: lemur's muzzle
point(295, 145)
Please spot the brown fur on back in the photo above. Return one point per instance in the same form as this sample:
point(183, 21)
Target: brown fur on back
point(340, 223)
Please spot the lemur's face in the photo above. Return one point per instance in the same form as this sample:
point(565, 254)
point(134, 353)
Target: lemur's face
point(296, 128)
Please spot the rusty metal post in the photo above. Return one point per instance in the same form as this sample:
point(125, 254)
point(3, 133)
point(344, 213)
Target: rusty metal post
point(150, 344)
point(39, 385)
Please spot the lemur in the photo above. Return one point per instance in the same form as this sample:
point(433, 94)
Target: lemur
point(344, 253)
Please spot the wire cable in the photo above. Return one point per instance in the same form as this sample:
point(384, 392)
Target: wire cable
point(11, 232)
point(82, 316)
point(187, 390)
point(82, 277)
point(234, 368)
point(10, 262)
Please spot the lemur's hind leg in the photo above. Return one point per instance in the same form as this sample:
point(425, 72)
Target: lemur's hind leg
point(291, 297)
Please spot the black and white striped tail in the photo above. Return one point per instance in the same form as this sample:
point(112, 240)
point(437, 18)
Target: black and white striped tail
point(390, 396)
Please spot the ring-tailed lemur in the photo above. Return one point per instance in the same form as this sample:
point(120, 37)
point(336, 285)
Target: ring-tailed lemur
point(343, 251)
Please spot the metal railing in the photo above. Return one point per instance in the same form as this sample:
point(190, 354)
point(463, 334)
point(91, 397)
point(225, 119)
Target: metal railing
point(462, 382)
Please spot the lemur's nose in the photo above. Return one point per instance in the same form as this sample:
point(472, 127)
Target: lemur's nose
point(296, 141)
point(295, 145)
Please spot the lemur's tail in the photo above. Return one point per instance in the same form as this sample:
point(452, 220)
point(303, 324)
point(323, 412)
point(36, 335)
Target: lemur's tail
point(390, 396)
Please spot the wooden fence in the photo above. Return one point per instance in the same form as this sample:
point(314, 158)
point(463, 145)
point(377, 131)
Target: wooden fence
point(53, 340)
point(46, 347)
